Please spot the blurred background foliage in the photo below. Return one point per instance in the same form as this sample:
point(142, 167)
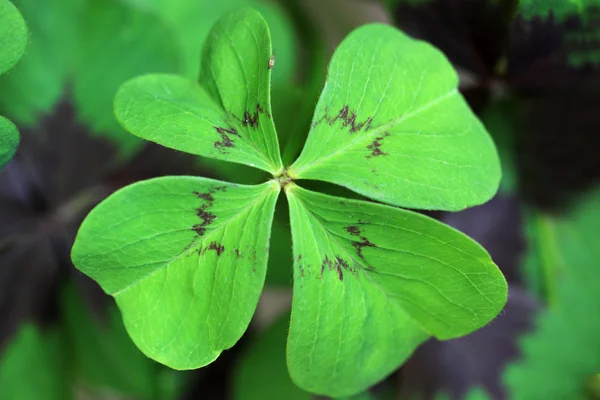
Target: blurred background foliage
point(528, 68)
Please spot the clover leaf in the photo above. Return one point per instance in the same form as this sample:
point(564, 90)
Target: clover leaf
point(391, 125)
point(232, 100)
point(186, 257)
point(373, 282)
point(13, 40)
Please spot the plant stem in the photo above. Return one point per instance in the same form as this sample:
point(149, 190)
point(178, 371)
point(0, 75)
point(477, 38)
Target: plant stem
point(550, 260)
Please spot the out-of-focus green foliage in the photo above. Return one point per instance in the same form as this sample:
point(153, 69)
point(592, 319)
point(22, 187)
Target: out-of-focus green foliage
point(86, 355)
point(191, 21)
point(38, 81)
point(558, 9)
point(560, 245)
point(117, 42)
point(475, 393)
point(32, 366)
point(393, 3)
point(583, 46)
point(561, 358)
point(13, 36)
point(581, 43)
point(262, 372)
point(499, 119)
point(542, 262)
point(96, 45)
point(13, 40)
point(104, 358)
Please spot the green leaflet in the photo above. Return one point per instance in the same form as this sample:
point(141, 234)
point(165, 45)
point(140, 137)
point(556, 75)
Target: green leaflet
point(371, 282)
point(13, 36)
point(391, 125)
point(117, 42)
point(185, 259)
point(9, 140)
point(32, 367)
point(228, 115)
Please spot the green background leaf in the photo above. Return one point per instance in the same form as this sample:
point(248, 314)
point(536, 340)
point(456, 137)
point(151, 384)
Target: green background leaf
point(562, 356)
point(117, 42)
point(9, 140)
point(13, 40)
point(37, 82)
point(191, 20)
point(371, 282)
point(559, 9)
point(13, 36)
point(391, 125)
point(185, 259)
point(262, 372)
point(32, 366)
point(228, 116)
point(105, 359)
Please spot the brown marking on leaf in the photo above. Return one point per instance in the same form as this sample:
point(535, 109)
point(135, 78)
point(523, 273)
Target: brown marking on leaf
point(202, 212)
point(204, 196)
point(364, 242)
point(237, 252)
point(226, 141)
point(375, 147)
point(338, 265)
point(301, 269)
point(299, 257)
point(219, 248)
point(271, 62)
point(251, 118)
point(324, 264)
point(207, 219)
point(353, 230)
point(348, 118)
point(341, 264)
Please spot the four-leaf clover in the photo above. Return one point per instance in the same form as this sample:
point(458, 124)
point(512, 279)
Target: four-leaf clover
point(186, 257)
